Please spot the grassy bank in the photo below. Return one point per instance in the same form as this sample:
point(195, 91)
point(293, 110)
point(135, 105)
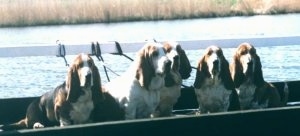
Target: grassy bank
point(55, 12)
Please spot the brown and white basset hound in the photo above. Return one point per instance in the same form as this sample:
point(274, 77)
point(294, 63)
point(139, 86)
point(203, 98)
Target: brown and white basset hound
point(138, 89)
point(180, 69)
point(246, 71)
point(213, 85)
point(76, 101)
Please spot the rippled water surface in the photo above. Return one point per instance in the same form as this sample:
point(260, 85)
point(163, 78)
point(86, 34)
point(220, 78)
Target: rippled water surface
point(32, 76)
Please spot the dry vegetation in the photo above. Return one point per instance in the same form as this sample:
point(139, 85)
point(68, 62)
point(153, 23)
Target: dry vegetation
point(53, 12)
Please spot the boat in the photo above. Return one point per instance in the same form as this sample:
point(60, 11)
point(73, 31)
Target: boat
point(279, 121)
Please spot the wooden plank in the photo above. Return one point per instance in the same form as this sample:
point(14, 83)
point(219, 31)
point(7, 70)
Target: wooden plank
point(109, 47)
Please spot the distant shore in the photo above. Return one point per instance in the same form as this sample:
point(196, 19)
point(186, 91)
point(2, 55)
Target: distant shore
point(18, 13)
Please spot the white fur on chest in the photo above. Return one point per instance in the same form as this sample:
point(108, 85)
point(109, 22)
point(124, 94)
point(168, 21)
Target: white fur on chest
point(82, 108)
point(171, 94)
point(136, 100)
point(144, 102)
point(213, 97)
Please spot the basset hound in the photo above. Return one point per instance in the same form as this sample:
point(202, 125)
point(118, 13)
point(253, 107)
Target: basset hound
point(138, 89)
point(214, 87)
point(76, 101)
point(253, 91)
point(180, 69)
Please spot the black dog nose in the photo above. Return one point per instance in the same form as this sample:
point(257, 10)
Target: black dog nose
point(88, 79)
point(250, 62)
point(168, 65)
point(216, 62)
point(176, 57)
point(88, 75)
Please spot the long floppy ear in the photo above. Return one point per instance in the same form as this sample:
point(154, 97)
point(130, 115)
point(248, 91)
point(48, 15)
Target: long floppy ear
point(73, 84)
point(169, 77)
point(236, 71)
point(96, 88)
point(185, 67)
point(145, 70)
point(202, 73)
point(225, 74)
point(169, 80)
point(234, 101)
point(258, 74)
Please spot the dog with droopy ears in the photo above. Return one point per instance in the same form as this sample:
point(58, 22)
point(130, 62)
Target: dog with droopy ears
point(180, 69)
point(138, 89)
point(78, 100)
point(254, 92)
point(213, 85)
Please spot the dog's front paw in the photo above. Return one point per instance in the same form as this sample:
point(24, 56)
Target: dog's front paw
point(64, 122)
point(38, 125)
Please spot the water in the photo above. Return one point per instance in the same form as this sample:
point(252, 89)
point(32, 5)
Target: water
point(32, 76)
point(193, 29)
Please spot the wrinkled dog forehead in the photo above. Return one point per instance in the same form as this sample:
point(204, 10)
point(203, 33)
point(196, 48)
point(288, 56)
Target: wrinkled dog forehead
point(159, 49)
point(170, 48)
point(151, 47)
point(246, 48)
point(214, 50)
point(83, 60)
point(174, 44)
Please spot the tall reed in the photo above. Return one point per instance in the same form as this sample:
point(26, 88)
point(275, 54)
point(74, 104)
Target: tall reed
point(53, 12)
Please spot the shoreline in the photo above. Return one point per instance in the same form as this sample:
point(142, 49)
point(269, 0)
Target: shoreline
point(17, 13)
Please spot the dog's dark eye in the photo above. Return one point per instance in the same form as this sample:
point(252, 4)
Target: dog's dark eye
point(209, 52)
point(80, 65)
point(176, 57)
point(155, 53)
point(243, 52)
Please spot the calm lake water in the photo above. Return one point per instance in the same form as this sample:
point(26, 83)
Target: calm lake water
point(32, 76)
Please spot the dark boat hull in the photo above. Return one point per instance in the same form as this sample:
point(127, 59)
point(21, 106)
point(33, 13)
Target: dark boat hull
point(277, 121)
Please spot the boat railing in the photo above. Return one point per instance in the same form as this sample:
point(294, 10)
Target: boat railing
point(111, 47)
